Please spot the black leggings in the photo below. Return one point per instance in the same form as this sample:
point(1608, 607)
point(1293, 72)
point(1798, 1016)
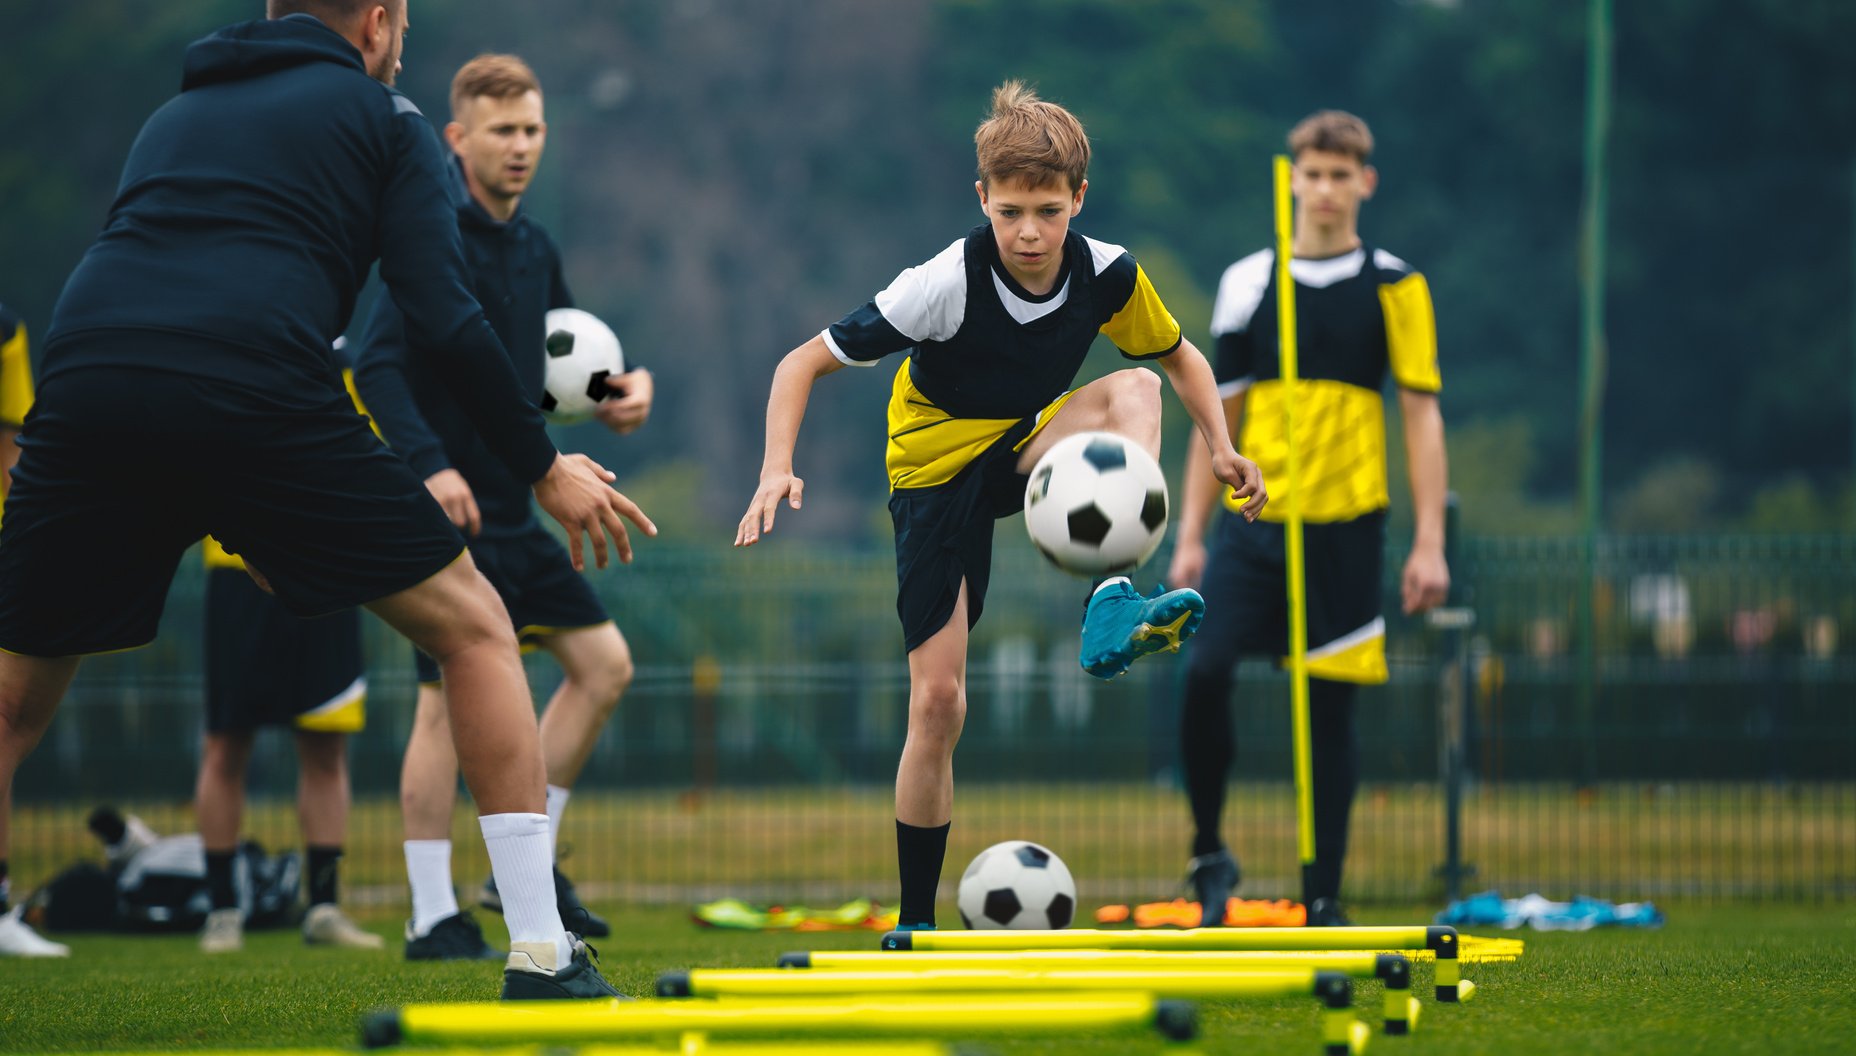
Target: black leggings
point(1208, 747)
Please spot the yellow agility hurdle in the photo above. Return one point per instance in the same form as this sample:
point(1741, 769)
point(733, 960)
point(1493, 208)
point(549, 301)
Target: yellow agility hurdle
point(1333, 989)
point(1394, 969)
point(554, 1022)
point(685, 1045)
point(1439, 939)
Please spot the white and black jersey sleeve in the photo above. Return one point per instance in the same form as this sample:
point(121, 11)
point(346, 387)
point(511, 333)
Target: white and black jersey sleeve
point(1240, 291)
point(925, 303)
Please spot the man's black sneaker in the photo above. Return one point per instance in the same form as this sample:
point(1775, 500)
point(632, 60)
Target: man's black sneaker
point(574, 913)
point(526, 978)
point(1213, 877)
point(1326, 913)
point(455, 938)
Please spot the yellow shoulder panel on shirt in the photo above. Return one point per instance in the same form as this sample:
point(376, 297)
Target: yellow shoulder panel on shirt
point(1143, 327)
point(15, 379)
point(216, 556)
point(1411, 333)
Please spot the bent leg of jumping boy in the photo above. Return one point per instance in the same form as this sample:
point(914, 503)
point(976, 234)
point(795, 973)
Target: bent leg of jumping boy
point(1120, 625)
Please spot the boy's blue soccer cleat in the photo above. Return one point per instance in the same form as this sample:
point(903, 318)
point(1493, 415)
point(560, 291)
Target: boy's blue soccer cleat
point(1120, 626)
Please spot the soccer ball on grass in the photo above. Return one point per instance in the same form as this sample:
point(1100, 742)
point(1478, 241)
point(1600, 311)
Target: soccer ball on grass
point(1017, 884)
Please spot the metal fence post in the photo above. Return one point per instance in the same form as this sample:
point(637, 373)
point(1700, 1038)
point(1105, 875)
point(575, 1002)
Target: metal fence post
point(1454, 618)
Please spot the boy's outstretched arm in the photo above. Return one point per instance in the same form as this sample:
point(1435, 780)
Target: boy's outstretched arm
point(786, 408)
point(1192, 379)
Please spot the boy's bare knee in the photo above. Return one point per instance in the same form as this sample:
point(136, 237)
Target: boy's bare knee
point(938, 708)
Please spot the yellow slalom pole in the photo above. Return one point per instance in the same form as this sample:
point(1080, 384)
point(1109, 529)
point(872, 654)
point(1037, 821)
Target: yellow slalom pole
point(1183, 983)
point(1440, 939)
point(687, 1045)
point(555, 1022)
point(1402, 937)
point(1360, 965)
point(1292, 528)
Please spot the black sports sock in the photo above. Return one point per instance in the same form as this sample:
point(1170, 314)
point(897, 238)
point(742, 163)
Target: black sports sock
point(6, 888)
point(1336, 760)
point(324, 867)
point(919, 855)
point(1207, 748)
point(219, 883)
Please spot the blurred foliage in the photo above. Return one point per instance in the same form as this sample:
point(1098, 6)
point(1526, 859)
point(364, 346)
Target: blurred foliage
point(728, 176)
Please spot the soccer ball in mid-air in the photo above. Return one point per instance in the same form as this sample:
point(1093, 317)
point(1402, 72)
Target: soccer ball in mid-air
point(1017, 884)
point(1096, 504)
point(582, 353)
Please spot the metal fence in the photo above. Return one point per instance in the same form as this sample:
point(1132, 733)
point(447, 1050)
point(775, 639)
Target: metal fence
point(1710, 753)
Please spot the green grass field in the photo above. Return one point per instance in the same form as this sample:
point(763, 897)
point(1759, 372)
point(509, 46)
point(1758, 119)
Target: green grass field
point(1719, 979)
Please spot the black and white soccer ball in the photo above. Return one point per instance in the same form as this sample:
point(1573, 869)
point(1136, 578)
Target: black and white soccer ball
point(582, 353)
point(1017, 884)
point(1096, 504)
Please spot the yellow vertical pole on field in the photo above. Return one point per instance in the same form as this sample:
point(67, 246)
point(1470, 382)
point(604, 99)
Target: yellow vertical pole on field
point(1292, 529)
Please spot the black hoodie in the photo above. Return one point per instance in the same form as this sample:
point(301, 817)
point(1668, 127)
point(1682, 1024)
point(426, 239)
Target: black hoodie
point(250, 210)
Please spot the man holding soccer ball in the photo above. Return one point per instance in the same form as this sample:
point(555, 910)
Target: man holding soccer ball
point(496, 134)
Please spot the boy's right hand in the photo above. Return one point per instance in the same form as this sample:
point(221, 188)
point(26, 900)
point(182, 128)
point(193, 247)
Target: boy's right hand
point(759, 518)
point(578, 493)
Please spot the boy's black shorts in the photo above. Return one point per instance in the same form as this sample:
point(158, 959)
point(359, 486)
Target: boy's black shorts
point(944, 534)
point(536, 579)
point(266, 667)
point(1247, 602)
point(121, 471)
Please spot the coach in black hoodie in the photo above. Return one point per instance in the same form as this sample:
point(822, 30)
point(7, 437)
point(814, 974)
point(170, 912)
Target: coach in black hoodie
point(188, 389)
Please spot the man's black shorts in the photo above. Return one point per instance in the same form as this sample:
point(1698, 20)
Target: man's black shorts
point(266, 667)
point(1247, 603)
point(944, 534)
point(536, 579)
point(121, 471)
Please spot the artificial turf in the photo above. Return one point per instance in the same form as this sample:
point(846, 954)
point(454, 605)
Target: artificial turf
point(1745, 978)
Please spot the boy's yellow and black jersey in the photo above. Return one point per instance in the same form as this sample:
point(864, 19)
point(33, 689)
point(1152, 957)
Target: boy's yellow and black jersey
point(15, 371)
point(985, 354)
point(15, 375)
point(1359, 317)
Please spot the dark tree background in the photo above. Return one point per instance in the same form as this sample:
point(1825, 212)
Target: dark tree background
point(728, 176)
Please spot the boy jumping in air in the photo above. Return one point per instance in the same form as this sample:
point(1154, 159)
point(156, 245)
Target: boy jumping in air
point(997, 325)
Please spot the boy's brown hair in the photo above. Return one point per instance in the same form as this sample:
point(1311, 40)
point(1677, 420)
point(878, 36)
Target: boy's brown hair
point(1332, 132)
point(495, 76)
point(1031, 140)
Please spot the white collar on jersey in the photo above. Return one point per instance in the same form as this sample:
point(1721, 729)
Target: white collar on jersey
point(1028, 311)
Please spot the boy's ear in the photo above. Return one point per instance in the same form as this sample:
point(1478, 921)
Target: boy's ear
point(1369, 181)
point(1076, 203)
point(979, 188)
point(454, 134)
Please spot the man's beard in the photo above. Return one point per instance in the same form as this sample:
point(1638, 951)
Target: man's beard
point(384, 72)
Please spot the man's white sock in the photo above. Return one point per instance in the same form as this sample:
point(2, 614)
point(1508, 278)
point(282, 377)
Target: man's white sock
point(428, 870)
point(522, 859)
point(557, 805)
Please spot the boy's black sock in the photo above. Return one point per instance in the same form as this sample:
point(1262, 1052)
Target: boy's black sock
point(324, 867)
point(219, 879)
point(919, 854)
